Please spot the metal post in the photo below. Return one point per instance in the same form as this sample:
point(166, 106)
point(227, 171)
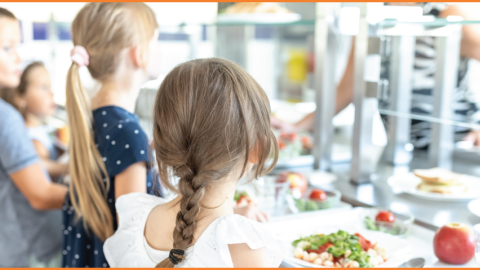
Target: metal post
point(248, 37)
point(212, 38)
point(362, 165)
point(277, 49)
point(400, 81)
point(325, 87)
point(231, 43)
point(447, 55)
point(194, 33)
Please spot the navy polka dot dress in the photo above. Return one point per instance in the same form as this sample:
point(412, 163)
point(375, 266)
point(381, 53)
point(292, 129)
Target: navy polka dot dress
point(121, 142)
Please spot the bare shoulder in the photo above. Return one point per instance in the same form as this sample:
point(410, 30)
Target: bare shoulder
point(243, 256)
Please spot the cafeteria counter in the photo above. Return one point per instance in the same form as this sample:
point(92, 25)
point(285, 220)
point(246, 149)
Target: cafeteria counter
point(378, 193)
point(429, 215)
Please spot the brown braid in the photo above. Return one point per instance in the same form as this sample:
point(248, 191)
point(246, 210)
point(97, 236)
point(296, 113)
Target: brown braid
point(209, 115)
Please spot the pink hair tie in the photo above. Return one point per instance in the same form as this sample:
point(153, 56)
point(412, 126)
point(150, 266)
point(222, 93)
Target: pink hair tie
point(79, 56)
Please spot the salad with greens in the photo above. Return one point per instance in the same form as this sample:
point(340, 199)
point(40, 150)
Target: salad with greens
point(316, 200)
point(339, 249)
point(391, 228)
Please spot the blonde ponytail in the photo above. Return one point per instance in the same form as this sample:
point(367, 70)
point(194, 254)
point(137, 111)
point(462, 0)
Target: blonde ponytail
point(87, 191)
point(104, 30)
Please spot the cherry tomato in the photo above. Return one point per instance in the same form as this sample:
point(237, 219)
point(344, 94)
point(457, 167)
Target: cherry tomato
point(385, 216)
point(318, 194)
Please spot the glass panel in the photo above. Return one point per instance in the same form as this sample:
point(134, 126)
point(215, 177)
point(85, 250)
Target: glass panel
point(465, 109)
point(428, 21)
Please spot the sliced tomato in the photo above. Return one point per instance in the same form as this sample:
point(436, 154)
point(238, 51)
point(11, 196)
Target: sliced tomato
point(321, 249)
point(364, 243)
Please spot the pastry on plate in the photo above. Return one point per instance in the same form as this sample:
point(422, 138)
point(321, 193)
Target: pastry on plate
point(438, 180)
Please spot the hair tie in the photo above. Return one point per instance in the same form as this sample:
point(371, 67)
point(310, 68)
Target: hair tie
point(79, 56)
point(173, 259)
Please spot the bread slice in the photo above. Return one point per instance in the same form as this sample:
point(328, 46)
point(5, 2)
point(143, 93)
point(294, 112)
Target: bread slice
point(437, 175)
point(453, 189)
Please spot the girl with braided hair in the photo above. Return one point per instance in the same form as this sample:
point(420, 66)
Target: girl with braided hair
point(211, 128)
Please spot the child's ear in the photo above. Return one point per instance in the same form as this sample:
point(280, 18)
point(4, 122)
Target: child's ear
point(138, 56)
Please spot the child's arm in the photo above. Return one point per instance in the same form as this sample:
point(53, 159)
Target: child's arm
point(40, 193)
point(53, 168)
point(252, 212)
point(245, 257)
point(132, 179)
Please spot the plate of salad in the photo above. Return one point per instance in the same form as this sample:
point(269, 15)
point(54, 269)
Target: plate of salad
point(345, 249)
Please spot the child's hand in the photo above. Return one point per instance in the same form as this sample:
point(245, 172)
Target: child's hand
point(252, 212)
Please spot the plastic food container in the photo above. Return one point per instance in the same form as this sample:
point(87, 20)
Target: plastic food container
point(269, 195)
point(400, 227)
point(305, 204)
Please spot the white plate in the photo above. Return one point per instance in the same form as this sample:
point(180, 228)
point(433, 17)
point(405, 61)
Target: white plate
point(319, 178)
point(259, 18)
point(408, 183)
point(400, 251)
point(474, 207)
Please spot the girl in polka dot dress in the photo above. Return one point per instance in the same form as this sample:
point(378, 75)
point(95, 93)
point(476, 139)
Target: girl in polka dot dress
point(109, 151)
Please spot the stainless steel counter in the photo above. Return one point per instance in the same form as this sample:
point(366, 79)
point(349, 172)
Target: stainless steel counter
point(429, 214)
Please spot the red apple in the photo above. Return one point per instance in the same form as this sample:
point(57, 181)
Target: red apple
point(454, 243)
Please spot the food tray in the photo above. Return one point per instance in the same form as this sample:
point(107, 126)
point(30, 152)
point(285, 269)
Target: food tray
point(420, 238)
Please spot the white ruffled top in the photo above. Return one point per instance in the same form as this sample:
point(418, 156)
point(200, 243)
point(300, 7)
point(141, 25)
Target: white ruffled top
point(129, 248)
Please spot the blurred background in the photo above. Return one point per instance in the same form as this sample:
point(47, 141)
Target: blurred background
point(279, 44)
point(407, 82)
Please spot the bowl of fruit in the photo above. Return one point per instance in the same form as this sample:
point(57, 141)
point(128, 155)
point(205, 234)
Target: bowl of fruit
point(376, 219)
point(313, 199)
